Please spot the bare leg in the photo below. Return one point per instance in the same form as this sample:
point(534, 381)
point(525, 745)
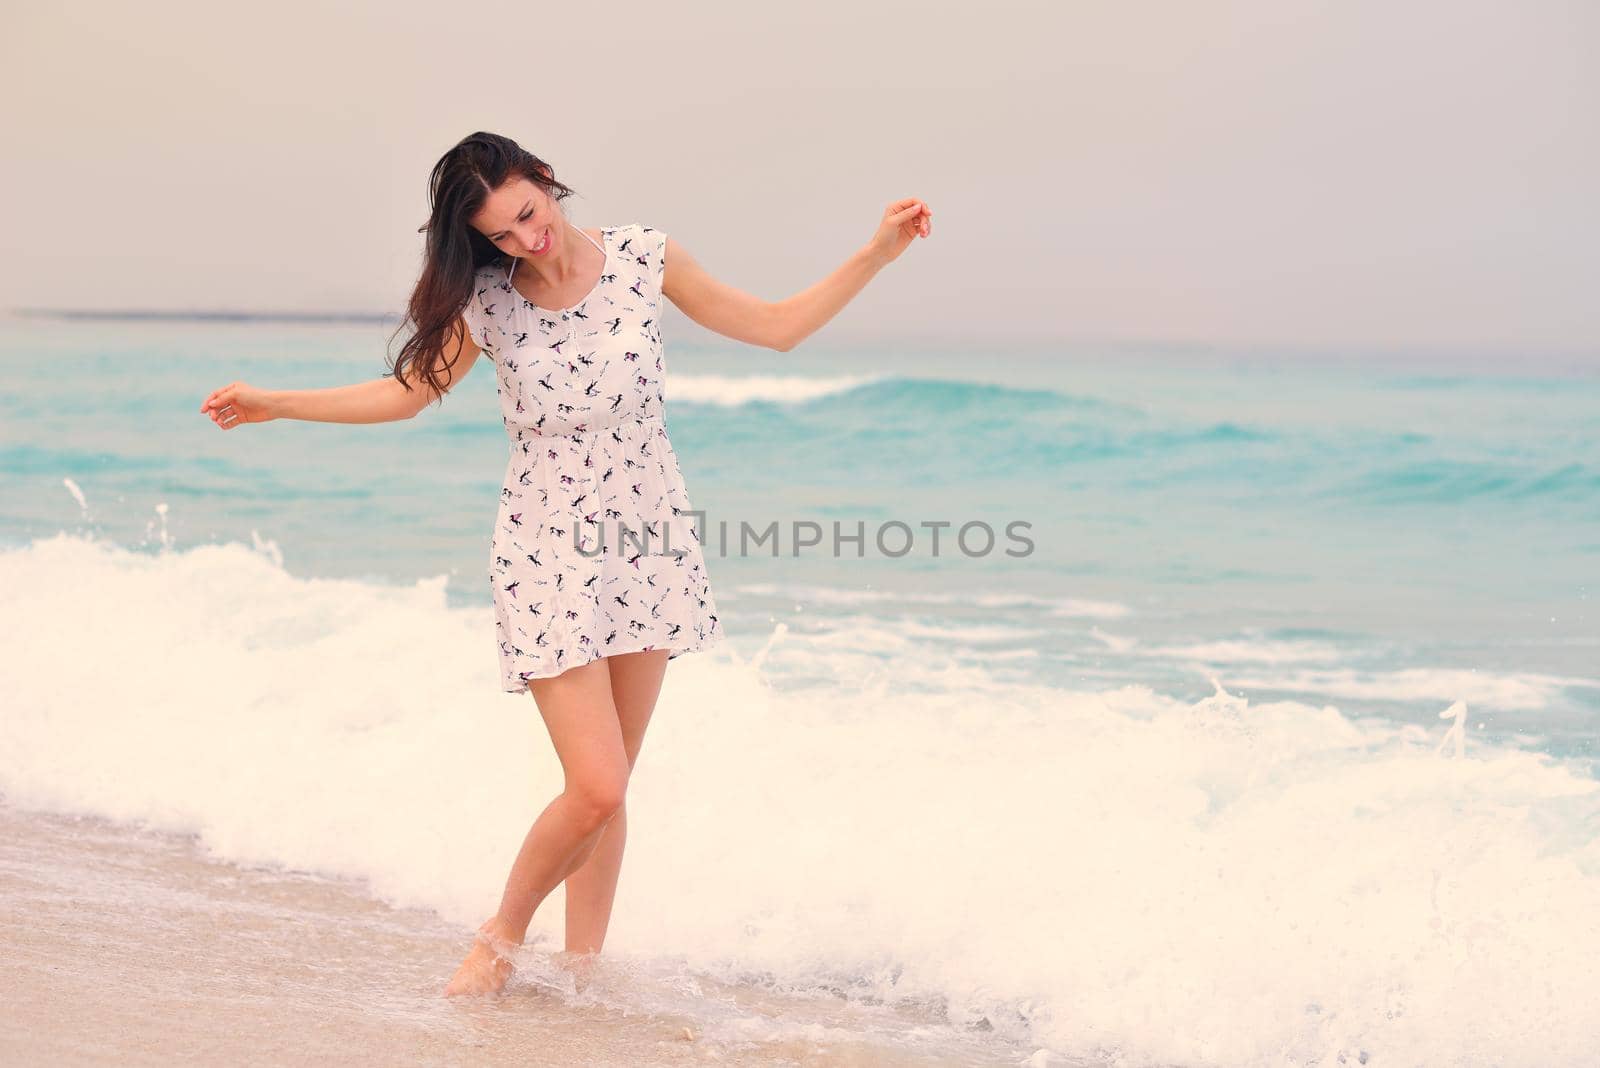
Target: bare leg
point(592, 888)
point(581, 716)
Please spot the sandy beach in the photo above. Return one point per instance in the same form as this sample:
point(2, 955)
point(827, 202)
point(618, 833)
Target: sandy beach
point(134, 947)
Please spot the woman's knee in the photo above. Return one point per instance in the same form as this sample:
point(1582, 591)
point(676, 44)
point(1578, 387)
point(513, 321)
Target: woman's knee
point(597, 796)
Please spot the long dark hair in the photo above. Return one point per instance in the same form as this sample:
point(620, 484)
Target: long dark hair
point(457, 189)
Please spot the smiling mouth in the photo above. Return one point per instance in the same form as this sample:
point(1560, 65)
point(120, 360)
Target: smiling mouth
point(543, 242)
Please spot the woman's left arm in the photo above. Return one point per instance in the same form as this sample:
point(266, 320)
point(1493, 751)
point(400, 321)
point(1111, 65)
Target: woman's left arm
point(783, 324)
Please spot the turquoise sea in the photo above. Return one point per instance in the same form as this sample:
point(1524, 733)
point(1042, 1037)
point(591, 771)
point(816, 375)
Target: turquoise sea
point(1261, 732)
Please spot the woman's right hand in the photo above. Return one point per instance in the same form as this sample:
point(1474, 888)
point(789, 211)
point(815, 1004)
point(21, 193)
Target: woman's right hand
point(237, 403)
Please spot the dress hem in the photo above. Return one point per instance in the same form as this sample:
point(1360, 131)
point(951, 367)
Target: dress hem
point(700, 645)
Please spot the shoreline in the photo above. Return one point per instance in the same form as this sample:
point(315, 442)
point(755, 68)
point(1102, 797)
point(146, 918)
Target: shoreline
point(133, 946)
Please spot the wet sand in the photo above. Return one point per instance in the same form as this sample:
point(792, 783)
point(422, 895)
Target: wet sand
point(131, 946)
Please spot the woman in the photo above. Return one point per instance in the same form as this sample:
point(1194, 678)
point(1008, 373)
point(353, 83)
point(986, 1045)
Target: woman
point(597, 574)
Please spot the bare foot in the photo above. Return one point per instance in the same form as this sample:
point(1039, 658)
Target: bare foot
point(578, 965)
point(488, 966)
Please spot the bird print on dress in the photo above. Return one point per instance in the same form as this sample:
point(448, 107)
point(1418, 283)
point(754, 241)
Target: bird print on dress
point(594, 551)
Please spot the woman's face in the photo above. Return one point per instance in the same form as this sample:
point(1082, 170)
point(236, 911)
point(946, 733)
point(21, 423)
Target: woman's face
point(519, 218)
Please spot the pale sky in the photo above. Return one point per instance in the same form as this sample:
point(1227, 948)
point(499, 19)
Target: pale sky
point(1396, 175)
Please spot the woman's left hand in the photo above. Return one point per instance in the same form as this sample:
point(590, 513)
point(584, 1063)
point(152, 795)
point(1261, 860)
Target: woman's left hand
point(903, 222)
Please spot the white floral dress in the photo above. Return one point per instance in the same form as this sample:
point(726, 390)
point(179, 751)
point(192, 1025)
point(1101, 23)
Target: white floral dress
point(594, 550)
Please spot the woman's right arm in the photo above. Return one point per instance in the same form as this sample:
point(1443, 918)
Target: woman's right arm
point(381, 400)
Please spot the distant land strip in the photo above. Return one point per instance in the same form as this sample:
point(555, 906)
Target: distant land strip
point(205, 316)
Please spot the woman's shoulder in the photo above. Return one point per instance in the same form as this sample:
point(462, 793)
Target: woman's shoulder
point(636, 230)
point(641, 240)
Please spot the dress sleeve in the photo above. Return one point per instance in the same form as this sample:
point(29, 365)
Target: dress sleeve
point(655, 250)
point(473, 314)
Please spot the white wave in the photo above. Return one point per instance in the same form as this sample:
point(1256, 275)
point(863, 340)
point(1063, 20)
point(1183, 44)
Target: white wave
point(1246, 651)
point(1117, 643)
point(733, 390)
point(1508, 691)
point(1112, 875)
